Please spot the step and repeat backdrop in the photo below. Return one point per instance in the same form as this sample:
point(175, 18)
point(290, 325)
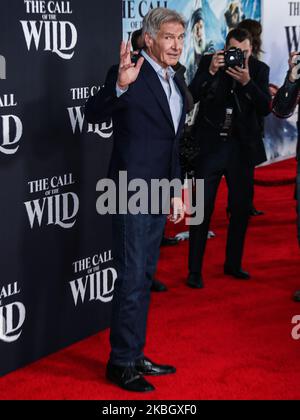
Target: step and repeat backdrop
point(56, 264)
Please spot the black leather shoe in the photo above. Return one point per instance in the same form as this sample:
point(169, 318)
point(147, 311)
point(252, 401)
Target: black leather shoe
point(195, 281)
point(128, 378)
point(158, 286)
point(237, 273)
point(169, 241)
point(146, 367)
point(255, 212)
point(297, 296)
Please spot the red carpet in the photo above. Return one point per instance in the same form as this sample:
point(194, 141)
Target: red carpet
point(231, 340)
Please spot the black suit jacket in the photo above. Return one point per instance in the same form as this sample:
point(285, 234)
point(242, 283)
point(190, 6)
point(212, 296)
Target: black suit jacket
point(254, 104)
point(145, 142)
point(285, 103)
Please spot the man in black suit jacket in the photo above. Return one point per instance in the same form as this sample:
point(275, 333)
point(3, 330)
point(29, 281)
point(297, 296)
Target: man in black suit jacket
point(147, 105)
point(228, 128)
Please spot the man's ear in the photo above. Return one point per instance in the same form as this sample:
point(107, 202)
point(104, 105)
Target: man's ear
point(148, 41)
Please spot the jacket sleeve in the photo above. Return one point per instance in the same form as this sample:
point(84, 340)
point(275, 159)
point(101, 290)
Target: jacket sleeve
point(257, 92)
point(286, 99)
point(100, 107)
point(203, 79)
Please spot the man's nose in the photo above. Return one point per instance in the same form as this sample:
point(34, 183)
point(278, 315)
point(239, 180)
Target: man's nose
point(176, 44)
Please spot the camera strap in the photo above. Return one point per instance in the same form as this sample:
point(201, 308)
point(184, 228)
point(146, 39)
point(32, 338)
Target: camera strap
point(226, 128)
point(227, 125)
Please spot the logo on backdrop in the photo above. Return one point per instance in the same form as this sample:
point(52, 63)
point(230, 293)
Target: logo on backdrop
point(93, 282)
point(135, 11)
point(76, 114)
point(2, 67)
point(54, 205)
point(11, 127)
point(293, 32)
point(12, 314)
point(46, 30)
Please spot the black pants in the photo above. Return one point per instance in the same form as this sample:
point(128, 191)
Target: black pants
point(228, 160)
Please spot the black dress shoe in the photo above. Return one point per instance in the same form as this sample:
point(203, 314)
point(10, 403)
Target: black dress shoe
point(297, 296)
point(168, 241)
point(195, 281)
point(255, 212)
point(237, 273)
point(146, 367)
point(158, 286)
point(128, 378)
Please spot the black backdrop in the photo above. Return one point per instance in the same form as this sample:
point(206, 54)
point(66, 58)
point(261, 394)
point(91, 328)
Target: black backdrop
point(56, 267)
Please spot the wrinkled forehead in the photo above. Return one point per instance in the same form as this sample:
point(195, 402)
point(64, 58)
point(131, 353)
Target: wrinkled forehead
point(172, 28)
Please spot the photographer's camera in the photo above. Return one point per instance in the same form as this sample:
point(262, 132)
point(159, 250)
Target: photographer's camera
point(234, 57)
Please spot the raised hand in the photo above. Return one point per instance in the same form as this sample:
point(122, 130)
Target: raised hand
point(128, 71)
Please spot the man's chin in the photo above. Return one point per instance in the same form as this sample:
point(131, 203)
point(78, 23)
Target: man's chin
point(173, 61)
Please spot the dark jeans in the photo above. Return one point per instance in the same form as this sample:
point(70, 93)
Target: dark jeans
point(136, 251)
point(229, 161)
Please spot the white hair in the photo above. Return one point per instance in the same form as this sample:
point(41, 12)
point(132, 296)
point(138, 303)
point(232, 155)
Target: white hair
point(155, 18)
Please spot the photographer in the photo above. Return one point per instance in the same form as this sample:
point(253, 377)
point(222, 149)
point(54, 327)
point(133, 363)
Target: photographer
point(233, 98)
point(284, 105)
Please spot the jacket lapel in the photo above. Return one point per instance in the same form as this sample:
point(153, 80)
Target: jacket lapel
point(153, 82)
point(182, 88)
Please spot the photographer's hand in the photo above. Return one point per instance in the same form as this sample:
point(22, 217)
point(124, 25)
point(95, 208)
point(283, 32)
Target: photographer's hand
point(293, 75)
point(128, 71)
point(217, 62)
point(240, 75)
